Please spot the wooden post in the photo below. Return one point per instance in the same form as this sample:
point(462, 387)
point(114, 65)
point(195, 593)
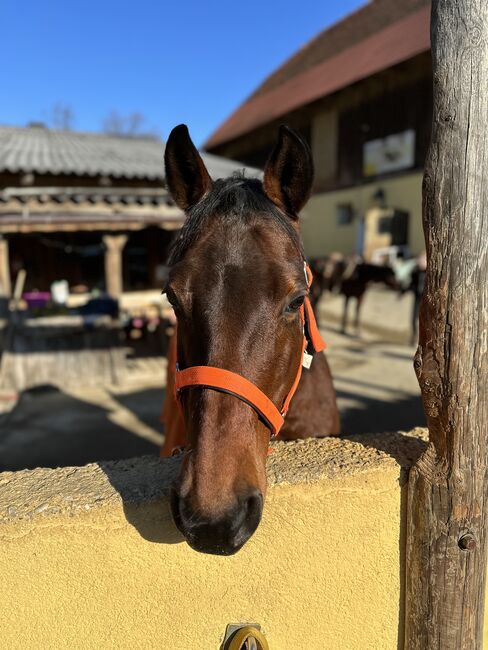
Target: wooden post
point(5, 283)
point(448, 487)
point(113, 264)
point(325, 135)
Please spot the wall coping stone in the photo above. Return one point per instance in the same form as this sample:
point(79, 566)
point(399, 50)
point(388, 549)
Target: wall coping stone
point(32, 495)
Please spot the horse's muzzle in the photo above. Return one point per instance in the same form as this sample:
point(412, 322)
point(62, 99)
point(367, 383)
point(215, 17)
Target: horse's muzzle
point(222, 535)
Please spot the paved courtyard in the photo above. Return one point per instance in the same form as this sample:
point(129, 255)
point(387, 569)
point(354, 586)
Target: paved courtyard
point(373, 374)
point(376, 388)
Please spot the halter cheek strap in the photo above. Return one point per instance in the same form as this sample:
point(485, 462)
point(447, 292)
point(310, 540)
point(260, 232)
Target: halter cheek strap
point(234, 384)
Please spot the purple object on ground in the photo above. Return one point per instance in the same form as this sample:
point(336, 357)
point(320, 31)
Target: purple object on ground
point(35, 299)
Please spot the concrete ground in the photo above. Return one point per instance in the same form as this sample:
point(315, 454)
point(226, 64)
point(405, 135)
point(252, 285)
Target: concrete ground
point(373, 374)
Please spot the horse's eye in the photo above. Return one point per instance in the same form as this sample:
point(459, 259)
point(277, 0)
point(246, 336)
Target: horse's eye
point(170, 295)
point(295, 304)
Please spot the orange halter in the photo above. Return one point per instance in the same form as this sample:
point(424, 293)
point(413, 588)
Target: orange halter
point(234, 384)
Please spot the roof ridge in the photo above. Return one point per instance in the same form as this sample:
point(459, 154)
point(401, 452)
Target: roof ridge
point(383, 12)
point(74, 132)
point(312, 41)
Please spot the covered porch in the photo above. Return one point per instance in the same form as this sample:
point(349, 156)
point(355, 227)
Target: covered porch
point(93, 239)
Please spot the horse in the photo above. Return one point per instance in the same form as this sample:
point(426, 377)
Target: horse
point(411, 278)
point(349, 276)
point(354, 285)
point(239, 292)
point(327, 273)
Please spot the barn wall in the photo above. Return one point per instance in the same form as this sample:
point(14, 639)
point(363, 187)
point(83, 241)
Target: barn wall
point(90, 558)
point(322, 234)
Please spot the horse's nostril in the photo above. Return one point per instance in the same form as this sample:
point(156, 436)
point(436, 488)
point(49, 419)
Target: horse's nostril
point(175, 505)
point(254, 504)
point(249, 516)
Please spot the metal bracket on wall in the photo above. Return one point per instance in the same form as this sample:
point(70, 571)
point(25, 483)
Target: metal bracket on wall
point(244, 636)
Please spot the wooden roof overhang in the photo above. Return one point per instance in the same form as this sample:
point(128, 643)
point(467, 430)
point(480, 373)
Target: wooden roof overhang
point(72, 209)
point(12, 223)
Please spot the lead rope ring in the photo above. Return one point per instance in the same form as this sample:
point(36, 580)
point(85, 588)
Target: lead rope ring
point(248, 633)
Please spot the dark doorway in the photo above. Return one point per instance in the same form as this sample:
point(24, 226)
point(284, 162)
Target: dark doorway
point(145, 253)
point(47, 257)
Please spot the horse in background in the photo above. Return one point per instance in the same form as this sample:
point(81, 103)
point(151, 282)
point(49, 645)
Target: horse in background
point(411, 279)
point(327, 272)
point(349, 276)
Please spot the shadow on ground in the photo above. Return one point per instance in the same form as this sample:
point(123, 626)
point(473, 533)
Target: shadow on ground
point(49, 428)
point(378, 415)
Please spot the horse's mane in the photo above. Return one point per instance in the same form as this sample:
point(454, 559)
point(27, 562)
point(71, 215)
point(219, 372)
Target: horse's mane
point(237, 198)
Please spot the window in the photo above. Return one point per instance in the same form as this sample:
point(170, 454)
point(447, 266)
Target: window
point(393, 153)
point(344, 214)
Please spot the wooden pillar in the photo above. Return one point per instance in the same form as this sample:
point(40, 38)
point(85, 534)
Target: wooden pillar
point(5, 282)
point(114, 245)
point(325, 133)
point(448, 487)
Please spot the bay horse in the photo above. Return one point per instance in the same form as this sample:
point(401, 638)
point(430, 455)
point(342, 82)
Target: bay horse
point(355, 285)
point(238, 289)
point(349, 276)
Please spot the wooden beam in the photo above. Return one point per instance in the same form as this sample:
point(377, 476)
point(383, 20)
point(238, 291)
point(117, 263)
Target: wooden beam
point(325, 141)
point(14, 228)
point(448, 487)
point(5, 282)
point(113, 264)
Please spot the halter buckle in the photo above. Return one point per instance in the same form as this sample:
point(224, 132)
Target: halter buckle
point(307, 360)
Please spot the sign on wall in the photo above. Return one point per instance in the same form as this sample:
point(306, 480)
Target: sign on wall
point(389, 154)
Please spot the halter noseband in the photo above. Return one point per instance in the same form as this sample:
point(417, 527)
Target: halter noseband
point(234, 384)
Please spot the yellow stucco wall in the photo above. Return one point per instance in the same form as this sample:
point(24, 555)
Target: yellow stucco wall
point(90, 558)
point(322, 235)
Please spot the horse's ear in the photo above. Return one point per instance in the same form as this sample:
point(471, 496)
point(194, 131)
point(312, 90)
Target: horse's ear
point(288, 175)
point(186, 175)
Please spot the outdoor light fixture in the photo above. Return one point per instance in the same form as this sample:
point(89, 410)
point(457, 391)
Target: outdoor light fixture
point(379, 197)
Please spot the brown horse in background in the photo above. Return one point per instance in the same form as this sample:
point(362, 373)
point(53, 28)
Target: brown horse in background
point(349, 276)
point(237, 285)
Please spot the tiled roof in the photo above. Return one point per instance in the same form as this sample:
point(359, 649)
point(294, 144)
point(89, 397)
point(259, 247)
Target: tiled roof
point(41, 150)
point(354, 28)
point(378, 36)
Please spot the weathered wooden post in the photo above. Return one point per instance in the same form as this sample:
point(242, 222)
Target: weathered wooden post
point(5, 283)
point(114, 245)
point(448, 487)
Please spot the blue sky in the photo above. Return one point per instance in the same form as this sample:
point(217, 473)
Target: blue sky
point(192, 62)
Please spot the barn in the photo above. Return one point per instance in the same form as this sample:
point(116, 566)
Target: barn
point(360, 93)
point(88, 208)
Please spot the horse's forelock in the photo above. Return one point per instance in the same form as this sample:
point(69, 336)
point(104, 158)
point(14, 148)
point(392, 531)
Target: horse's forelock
point(237, 198)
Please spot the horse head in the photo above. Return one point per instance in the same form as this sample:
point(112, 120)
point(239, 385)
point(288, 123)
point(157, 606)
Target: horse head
point(237, 286)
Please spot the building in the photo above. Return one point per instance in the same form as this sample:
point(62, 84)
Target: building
point(360, 94)
point(87, 208)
